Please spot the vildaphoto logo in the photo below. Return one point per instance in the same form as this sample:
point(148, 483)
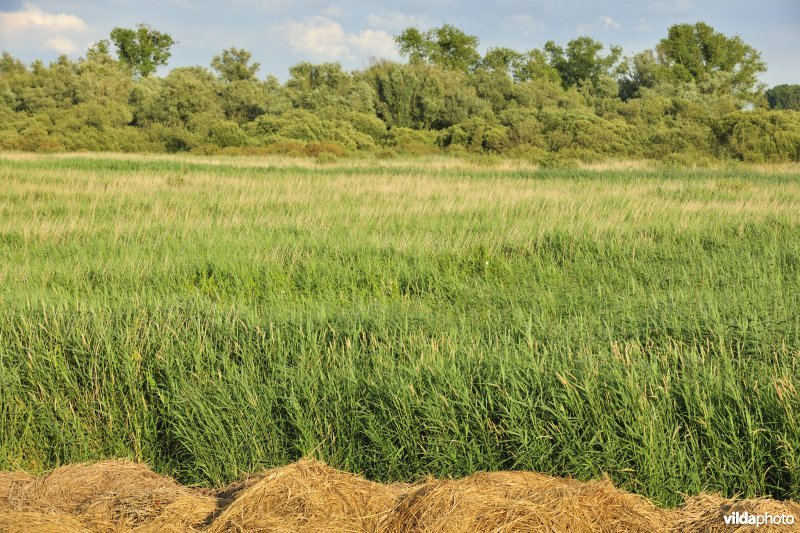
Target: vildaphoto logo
point(763, 519)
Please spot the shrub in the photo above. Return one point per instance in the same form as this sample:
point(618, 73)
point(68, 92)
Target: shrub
point(225, 134)
point(582, 130)
point(412, 142)
point(761, 136)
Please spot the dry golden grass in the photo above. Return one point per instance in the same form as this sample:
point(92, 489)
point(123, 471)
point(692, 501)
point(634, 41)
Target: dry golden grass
point(310, 496)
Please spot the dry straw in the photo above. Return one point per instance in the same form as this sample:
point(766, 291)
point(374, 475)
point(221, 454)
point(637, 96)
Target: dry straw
point(311, 496)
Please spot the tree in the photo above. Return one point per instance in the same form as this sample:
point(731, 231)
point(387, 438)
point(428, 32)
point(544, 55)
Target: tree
point(404, 94)
point(234, 65)
point(784, 97)
point(10, 65)
point(414, 45)
point(244, 100)
point(581, 61)
point(505, 60)
point(98, 52)
point(143, 49)
point(445, 46)
point(327, 86)
point(453, 48)
point(534, 66)
point(697, 53)
point(638, 71)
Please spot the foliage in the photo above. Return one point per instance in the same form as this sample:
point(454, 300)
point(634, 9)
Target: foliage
point(234, 65)
point(446, 46)
point(699, 53)
point(143, 49)
point(784, 97)
point(637, 72)
point(761, 136)
point(580, 63)
point(553, 105)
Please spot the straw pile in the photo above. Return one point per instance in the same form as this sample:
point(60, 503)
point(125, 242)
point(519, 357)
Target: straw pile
point(311, 496)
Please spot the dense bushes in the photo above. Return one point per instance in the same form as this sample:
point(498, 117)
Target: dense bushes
point(761, 136)
point(512, 103)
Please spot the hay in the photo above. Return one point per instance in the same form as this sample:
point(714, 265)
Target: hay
point(11, 484)
point(704, 513)
point(108, 496)
point(523, 501)
point(308, 495)
point(27, 521)
point(311, 496)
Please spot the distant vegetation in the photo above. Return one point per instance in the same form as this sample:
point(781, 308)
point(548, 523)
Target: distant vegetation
point(694, 97)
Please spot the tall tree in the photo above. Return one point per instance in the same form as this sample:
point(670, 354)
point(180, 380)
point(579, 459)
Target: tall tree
point(535, 66)
point(502, 59)
point(143, 49)
point(413, 45)
point(784, 97)
point(445, 46)
point(581, 61)
point(10, 65)
point(234, 65)
point(636, 72)
point(696, 52)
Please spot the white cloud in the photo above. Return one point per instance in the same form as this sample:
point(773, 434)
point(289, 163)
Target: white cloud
point(610, 24)
point(606, 23)
point(318, 36)
point(32, 27)
point(395, 21)
point(325, 39)
point(62, 45)
point(32, 16)
point(376, 43)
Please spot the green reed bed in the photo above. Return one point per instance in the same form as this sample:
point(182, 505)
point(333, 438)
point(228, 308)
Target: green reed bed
point(217, 317)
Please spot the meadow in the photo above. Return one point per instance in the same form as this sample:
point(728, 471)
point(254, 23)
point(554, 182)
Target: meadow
point(403, 318)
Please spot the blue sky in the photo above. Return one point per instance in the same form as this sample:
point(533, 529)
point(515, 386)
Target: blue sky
point(281, 33)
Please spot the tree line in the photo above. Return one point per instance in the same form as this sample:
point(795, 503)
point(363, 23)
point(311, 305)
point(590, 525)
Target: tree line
point(695, 96)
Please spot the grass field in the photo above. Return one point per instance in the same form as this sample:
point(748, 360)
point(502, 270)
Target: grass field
point(214, 317)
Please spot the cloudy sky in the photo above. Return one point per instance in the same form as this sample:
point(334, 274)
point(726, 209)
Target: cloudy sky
point(281, 33)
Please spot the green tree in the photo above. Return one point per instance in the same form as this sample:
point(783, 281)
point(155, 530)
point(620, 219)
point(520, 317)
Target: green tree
point(413, 45)
point(581, 62)
point(143, 49)
point(534, 66)
point(422, 96)
point(10, 65)
point(445, 46)
point(784, 97)
point(234, 65)
point(244, 100)
point(760, 135)
point(698, 53)
point(404, 94)
point(99, 53)
point(501, 59)
point(637, 72)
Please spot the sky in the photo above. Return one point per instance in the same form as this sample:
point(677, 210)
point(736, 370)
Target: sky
point(281, 33)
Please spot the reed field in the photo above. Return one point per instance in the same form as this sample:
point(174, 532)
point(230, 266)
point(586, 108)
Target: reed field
point(214, 317)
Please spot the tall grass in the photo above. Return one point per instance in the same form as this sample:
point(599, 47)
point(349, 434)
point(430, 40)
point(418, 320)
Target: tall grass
point(215, 317)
